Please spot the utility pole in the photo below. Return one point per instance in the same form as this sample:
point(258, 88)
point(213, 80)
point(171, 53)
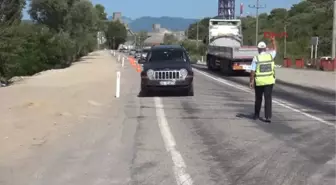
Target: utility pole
point(139, 41)
point(285, 41)
point(197, 35)
point(98, 40)
point(113, 42)
point(333, 48)
point(257, 6)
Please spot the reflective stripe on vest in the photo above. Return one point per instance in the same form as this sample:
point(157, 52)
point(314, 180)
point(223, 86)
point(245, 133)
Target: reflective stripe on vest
point(264, 74)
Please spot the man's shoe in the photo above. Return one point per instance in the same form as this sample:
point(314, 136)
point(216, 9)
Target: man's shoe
point(255, 117)
point(267, 120)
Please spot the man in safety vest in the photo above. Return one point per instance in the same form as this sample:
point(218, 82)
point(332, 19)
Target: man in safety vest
point(262, 79)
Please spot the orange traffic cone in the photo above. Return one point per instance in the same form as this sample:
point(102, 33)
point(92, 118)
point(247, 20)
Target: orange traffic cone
point(138, 68)
point(133, 63)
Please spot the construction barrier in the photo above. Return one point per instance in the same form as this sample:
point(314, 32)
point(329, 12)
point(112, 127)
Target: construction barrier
point(328, 66)
point(299, 63)
point(138, 68)
point(323, 64)
point(287, 62)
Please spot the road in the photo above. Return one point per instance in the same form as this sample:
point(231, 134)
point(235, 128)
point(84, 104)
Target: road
point(209, 139)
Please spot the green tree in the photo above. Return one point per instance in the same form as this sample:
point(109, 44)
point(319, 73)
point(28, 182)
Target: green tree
point(301, 22)
point(10, 17)
point(102, 22)
point(141, 37)
point(169, 39)
point(116, 34)
point(11, 11)
point(52, 13)
point(100, 10)
point(61, 33)
point(203, 30)
point(83, 27)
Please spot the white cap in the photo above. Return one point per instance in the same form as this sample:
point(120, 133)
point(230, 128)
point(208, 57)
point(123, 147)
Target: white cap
point(261, 45)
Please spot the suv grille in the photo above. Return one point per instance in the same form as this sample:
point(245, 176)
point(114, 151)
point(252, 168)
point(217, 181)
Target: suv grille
point(166, 75)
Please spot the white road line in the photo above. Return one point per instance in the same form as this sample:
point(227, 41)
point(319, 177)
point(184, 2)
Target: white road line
point(179, 168)
point(279, 102)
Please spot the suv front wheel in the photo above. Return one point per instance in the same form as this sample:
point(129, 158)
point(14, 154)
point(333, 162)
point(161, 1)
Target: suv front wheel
point(190, 90)
point(143, 91)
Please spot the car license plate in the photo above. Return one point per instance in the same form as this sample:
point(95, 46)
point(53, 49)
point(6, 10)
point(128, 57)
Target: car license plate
point(237, 67)
point(167, 83)
point(247, 67)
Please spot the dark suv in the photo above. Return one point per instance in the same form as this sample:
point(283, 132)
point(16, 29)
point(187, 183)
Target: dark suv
point(167, 67)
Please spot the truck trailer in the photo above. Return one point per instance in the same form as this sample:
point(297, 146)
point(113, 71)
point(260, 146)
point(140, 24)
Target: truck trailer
point(225, 51)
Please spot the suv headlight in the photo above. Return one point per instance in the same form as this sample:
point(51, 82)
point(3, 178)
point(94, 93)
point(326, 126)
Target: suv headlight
point(183, 73)
point(150, 74)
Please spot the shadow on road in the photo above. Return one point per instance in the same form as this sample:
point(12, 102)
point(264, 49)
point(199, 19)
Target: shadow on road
point(161, 94)
point(245, 116)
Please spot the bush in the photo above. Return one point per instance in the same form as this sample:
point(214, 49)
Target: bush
point(54, 39)
point(32, 48)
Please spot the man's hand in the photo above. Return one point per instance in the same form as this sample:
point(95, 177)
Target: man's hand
point(273, 43)
point(272, 39)
point(251, 85)
point(252, 79)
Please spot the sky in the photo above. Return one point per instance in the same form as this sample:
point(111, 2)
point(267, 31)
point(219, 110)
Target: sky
point(181, 8)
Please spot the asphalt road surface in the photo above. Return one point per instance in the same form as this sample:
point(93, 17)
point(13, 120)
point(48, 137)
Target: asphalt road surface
point(207, 139)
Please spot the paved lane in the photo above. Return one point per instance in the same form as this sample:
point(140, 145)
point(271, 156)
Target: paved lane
point(222, 145)
point(307, 99)
point(165, 140)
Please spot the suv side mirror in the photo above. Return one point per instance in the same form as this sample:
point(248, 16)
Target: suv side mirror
point(141, 61)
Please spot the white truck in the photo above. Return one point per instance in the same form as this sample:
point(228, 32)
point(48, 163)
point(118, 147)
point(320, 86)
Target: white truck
point(225, 50)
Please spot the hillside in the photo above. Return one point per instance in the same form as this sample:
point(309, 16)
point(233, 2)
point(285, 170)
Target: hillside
point(146, 23)
point(171, 23)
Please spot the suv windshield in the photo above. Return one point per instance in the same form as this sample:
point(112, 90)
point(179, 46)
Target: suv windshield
point(167, 54)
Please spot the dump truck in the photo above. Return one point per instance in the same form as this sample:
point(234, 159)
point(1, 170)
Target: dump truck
point(225, 50)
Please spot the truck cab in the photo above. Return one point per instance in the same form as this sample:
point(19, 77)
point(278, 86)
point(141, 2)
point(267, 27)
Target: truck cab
point(219, 28)
point(225, 50)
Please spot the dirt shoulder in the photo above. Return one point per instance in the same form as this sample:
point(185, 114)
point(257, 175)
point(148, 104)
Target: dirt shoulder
point(37, 109)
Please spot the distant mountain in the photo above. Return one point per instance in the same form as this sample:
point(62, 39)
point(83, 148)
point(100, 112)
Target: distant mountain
point(126, 20)
point(171, 23)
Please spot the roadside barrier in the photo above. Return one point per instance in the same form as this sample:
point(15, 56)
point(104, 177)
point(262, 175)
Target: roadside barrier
point(287, 62)
point(299, 63)
point(118, 85)
point(328, 65)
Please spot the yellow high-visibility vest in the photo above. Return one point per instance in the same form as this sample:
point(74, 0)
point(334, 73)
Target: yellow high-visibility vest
point(264, 74)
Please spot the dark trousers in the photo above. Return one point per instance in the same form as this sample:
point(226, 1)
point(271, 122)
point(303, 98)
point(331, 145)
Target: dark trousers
point(265, 90)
